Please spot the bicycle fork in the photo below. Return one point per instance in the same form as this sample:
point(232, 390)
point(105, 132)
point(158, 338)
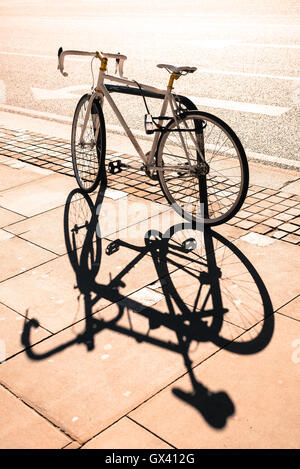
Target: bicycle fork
point(86, 118)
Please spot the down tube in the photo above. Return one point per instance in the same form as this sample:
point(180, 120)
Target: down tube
point(123, 123)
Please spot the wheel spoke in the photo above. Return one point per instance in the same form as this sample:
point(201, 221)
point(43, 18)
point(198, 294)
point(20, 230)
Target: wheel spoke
point(226, 182)
point(86, 154)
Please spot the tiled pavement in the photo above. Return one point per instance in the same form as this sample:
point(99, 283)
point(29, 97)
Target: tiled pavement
point(275, 213)
point(158, 349)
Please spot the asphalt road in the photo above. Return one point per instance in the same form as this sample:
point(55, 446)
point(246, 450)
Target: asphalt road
point(247, 55)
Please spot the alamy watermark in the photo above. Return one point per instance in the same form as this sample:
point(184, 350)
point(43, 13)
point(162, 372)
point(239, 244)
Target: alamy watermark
point(296, 352)
point(2, 351)
point(121, 215)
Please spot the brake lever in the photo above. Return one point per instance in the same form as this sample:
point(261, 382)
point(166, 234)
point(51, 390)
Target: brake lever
point(121, 62)
point(119, 67)
point(60, 65)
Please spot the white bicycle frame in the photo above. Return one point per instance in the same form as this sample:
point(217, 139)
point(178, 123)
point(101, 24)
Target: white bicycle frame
point(101, 92)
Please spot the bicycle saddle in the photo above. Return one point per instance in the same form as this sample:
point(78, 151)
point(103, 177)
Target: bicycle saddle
point(179, 70)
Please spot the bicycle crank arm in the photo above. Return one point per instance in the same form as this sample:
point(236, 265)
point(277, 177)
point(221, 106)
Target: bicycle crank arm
point(197, 170)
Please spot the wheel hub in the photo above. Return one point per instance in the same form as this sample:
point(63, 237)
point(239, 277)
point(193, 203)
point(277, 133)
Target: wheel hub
point(201, 169)
point(152, 174)
point(90, 144)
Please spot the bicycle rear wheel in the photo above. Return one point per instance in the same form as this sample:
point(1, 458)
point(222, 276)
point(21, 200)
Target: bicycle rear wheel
point(88, 156)
point(209, 191)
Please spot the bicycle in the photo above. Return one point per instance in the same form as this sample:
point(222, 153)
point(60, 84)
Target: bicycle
point(198, 159)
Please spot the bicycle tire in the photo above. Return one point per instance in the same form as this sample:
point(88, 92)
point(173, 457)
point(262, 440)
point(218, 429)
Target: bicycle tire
point(88, 157)
point(220, 192)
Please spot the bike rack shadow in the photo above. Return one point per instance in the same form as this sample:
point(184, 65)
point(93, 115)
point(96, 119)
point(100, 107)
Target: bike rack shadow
point(189, 326)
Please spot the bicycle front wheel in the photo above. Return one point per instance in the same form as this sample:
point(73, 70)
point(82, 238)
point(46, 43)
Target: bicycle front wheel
point(88, 153)
point(202, 168)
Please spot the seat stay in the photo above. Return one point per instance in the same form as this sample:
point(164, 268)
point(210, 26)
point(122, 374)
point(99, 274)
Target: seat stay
point(187, 129)
point(194, 141)
point(180, 136)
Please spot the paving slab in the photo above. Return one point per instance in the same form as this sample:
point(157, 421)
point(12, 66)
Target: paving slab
point(53, 293)
point(18, 175)
point(126, 434)
point(261, 387)
point(278, 266)
point(7, 217)
point(229, 232)
point(261, 175)
point(292, 309)
point(48, 229)
point(38, 196)
point(293, 187)
point(18, 255)
point(98, 371)
point(22, 428)
point(7, 160)
point(12, 326)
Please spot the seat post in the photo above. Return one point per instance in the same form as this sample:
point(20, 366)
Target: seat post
point(174, 76)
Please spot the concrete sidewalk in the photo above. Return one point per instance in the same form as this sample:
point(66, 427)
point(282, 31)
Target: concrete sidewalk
point(108, 342)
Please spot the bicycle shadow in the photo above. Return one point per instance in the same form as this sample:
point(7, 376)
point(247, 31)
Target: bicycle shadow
point(191, 319)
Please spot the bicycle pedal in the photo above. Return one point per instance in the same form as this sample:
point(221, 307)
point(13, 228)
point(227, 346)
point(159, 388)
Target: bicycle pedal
point(182, 173)
point(189, 245)
point(112, 248)
point(115, 167)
